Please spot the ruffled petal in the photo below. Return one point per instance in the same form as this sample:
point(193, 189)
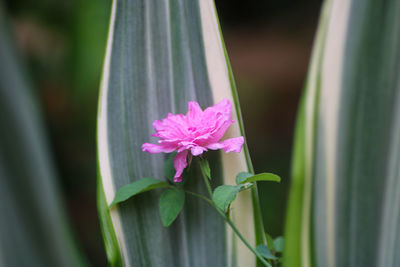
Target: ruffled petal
point(193, 147)
point(180, 164)
point(172, 127)
point(229, 145)
point(197, 150)
point(219, 132)
point(215, 146)
point(194, 111)
point(223, 109)
point(155, 149)
point(218, 119)
point(233, 144)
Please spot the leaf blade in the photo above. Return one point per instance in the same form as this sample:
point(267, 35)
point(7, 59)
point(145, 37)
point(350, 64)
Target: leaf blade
point(36, 231)
point(171, 204)
point(242, 176)
point(137, 187)
point(279, 244)
point(338, 166)
point(224, 195)
point(270, 177)
point(205, 168)
point(265, 252)
point(143, 81)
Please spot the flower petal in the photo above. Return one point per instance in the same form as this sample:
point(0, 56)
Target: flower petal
point(222, 108)
point(219, 132)
point(193, 147)
point(197, 150)
point(232, 144)
point(180, 164)
point(218, 118)
point(171, 127)
point(155, 149)
point(194, 111)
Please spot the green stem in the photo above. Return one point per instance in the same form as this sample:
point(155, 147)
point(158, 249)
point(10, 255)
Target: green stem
point(207, 182)
point(209, 201)
point(261, 258)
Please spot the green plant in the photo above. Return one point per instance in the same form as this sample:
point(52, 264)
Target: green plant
point(220, 199)
point(33, 228)
point(159, 56)
point(344, 203)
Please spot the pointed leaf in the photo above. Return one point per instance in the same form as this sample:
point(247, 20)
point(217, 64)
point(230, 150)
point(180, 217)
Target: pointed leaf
point(224, 195)
point(160, 55)
point(270, 242)
point(137, 187)
point(171, 204)
point(344, 201)
point(297, 250)
point(265, 252)
point(261, 177)
point(242, 176)
point(205, 168)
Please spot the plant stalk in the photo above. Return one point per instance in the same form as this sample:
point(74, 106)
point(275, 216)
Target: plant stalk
point(261, 258)
point(209, 201)
point(207, 182)
point(228, 220)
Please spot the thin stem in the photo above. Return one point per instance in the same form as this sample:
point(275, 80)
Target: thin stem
point(261, 258)
point(207, 182)
point(200, 196)
point(227, 219)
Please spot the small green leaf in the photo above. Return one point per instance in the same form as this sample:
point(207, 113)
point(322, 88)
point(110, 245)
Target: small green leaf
point(242, 176)
point(137, 187)
point(265, 252)
point(224, 195)
point(169, 169)
point(261, 177)
point(245, 186)
point(279, 244)
point(205, 168)
point(270, 241)
point(171, 204)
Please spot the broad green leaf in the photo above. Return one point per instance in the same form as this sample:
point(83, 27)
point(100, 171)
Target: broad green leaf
point(242, 176)
point(279, 244)
point(265, 252)
point(345, 195)
point(171, 204)
point(224, 195)
point(33, 227)
point(161, 54)
point(205, 168)
point(261, 177)
point(297, 235)
point(137, 187)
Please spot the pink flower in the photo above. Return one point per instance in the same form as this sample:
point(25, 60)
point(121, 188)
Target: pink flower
point(197, 131)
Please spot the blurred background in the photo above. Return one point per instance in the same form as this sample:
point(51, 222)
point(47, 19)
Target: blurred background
point(62, 45)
